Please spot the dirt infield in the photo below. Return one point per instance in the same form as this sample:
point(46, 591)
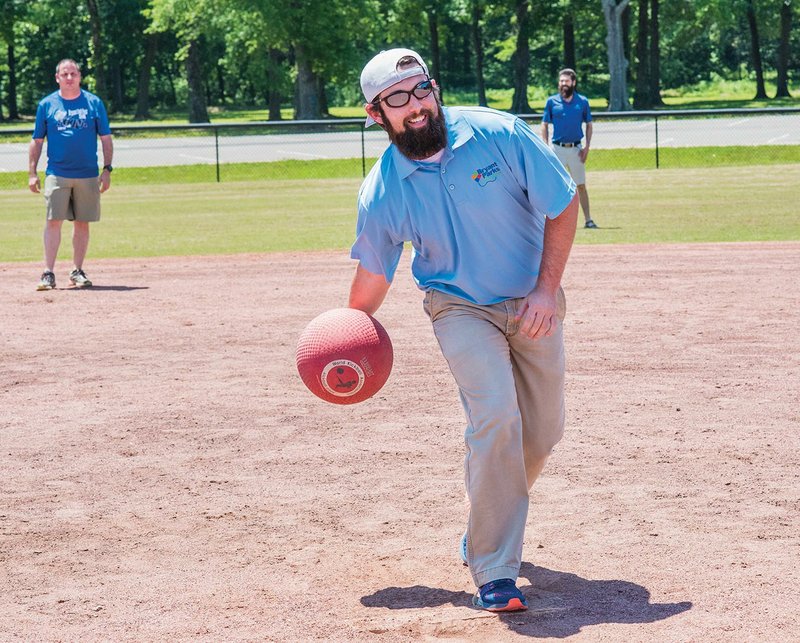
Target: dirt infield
point(166, 476)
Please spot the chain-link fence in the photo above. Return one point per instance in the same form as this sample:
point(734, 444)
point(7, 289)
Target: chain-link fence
point(340, 148)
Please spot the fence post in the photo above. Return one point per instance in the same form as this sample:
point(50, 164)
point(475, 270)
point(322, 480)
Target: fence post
point(363, 155)
point(655, 118)
point(216, 147)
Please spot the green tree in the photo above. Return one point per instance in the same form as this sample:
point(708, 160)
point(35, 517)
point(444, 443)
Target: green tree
point(324, 45)
point(521, 59)
point(782, 61)
point(617, 63)
point(755, 44)
point(11, 12)
point(188, 20)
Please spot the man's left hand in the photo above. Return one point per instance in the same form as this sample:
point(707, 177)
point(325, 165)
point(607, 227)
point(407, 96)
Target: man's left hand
point(583, 153)
point(537, 316)
point(105, 180)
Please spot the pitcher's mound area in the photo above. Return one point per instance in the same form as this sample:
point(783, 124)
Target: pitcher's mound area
point(167, 476)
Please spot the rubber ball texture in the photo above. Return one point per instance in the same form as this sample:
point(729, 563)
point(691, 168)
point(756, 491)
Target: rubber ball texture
point(344, 356)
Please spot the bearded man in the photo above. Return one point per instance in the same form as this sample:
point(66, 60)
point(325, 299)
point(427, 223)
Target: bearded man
point(490, 213)
point(567, 111)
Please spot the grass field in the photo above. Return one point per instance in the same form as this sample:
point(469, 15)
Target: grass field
point(614, 159)
point(752, 203)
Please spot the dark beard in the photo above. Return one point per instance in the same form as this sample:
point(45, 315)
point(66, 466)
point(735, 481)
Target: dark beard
point(419, 144)
point(567, 92)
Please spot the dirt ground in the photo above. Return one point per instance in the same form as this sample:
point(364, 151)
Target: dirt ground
point(166, 476)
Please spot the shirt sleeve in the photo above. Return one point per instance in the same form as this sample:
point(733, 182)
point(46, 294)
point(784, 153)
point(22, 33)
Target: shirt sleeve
point(375, 246)
point(547, 183)
point(103, 127)
point(587, 112)
point(40, 126)
point(547, 115)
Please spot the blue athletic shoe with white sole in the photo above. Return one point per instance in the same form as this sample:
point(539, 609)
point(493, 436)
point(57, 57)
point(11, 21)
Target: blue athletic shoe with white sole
point(500, 596)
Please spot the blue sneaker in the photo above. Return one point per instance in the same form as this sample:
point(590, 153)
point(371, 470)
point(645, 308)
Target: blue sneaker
point(500, 596)
point(462, 549)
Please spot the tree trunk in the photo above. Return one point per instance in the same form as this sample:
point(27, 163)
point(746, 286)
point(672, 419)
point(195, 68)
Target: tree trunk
point(521, 59)
point(143, 85)
point(98, 67)
point(11, 89)
point(477, 43)
point(117, 93)
point(783, 51)
point(755, 48)
point(198, 110)
point(569, 41)
point(221, 83)
point(655, 56)
point(306, 97)
point(626, 40)
point(273, 85)
point(322, 97)
point(617, 64)
point(433, 31)
point(641, 95)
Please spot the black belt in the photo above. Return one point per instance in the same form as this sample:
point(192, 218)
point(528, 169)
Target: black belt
point(567, 144)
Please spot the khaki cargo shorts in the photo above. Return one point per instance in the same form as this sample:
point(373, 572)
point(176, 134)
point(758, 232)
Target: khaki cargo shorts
point(72, 199)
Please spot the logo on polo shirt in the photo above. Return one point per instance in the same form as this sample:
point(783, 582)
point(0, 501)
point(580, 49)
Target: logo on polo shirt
point(487, 174)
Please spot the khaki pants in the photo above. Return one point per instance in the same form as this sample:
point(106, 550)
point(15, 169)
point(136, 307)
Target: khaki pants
point(512, 390)
point(570, 159)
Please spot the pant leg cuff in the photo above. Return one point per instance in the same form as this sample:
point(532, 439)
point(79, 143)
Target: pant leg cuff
point(495, 573)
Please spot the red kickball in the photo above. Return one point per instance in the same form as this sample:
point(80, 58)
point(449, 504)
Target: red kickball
point(344, 356)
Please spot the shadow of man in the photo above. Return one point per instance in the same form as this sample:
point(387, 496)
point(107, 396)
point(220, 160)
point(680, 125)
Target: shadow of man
point(560, 604)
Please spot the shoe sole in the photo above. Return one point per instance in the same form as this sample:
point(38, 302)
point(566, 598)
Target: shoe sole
point(87, 284)
point(514, 605)
point(42, 287)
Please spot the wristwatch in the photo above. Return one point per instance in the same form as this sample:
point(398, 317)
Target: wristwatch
point(109, 168)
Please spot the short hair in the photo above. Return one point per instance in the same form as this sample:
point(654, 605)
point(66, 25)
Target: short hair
point(568, 72)
point(67, 60)
point(407, 62)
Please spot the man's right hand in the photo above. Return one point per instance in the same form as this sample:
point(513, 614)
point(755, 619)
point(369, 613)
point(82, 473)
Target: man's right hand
point(33, 184)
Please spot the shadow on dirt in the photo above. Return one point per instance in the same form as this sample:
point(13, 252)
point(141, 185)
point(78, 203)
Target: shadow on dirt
point(559, 604)
point(96, 288)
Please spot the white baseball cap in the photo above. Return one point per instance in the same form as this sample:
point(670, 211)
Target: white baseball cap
point(381, 73)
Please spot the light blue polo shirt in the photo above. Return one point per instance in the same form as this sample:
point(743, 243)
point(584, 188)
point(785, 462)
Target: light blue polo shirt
point(71, 128)
point(567, 117)
point(475, 220)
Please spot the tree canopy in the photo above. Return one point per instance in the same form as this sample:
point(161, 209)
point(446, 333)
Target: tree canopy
point(141, 55)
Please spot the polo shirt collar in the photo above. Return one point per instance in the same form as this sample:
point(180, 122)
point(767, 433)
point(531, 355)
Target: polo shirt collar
point(459, 131)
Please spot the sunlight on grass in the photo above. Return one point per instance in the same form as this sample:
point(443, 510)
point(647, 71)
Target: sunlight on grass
point(632, 206)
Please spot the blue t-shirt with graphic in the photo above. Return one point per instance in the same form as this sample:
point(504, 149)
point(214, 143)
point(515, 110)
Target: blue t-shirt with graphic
point(476, 219)
point(71, 128)
point(567, 117)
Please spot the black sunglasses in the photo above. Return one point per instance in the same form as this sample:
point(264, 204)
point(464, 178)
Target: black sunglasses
point(401, 98)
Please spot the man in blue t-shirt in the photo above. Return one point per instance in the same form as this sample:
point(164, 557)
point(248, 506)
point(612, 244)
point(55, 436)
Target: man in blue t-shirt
point(70, 119)
point(490, 214)
point(567, 111)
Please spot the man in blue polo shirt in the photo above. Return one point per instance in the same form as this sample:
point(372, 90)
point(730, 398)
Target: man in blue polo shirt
point(71, 119)
point(490, 213)
point(567, 111)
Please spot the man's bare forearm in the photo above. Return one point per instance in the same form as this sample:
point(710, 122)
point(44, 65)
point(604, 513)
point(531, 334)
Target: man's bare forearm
point(559, 233)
